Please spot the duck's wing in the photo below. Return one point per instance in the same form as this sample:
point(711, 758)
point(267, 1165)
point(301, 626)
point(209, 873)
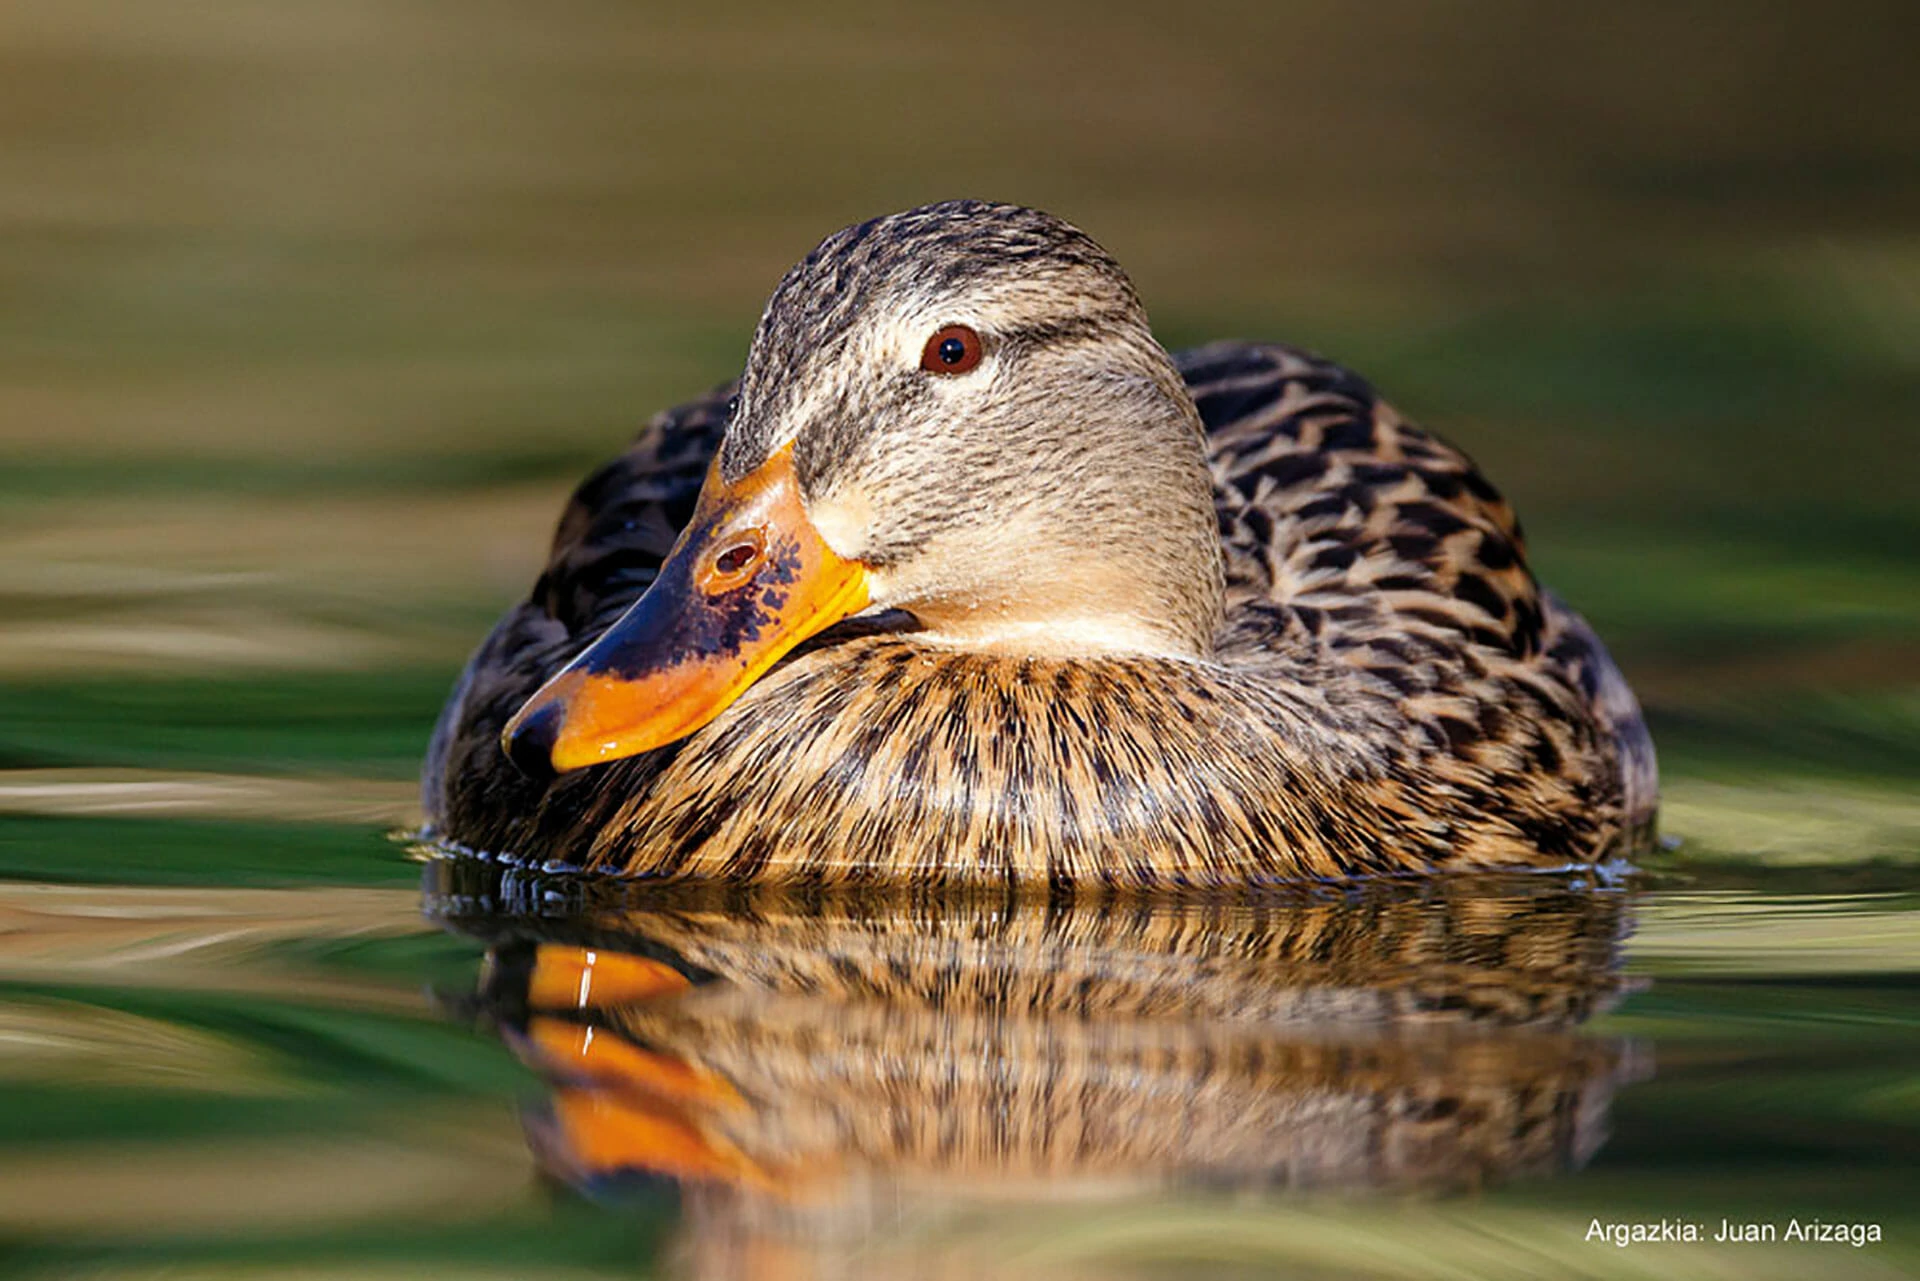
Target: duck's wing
point(1349, 530)
point(623, 519)
point(615, 532)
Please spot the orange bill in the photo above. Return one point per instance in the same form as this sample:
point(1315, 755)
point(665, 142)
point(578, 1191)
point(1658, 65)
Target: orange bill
point(749, 579)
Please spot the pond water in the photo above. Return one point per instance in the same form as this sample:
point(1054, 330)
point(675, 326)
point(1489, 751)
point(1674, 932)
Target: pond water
point(497, 1073)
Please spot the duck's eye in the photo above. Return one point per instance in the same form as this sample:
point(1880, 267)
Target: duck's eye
point(953, 349)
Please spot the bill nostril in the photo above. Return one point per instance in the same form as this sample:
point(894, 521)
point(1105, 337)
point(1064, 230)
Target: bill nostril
point(736, 558)
point(734, 564)
point(528, 740)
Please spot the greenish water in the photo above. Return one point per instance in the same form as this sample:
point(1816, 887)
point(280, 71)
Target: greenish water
point(316, 1079)
point(311, 314)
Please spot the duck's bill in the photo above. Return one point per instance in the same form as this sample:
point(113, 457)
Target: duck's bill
point(749, 579)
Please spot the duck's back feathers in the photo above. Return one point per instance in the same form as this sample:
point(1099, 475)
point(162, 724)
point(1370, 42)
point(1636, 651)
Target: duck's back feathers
point(1380, 616)
point(1345, 525)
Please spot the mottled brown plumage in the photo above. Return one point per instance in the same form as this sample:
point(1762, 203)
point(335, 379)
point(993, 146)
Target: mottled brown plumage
point(1345, 668)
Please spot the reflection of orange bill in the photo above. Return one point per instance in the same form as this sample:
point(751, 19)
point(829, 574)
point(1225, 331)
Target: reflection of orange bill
point(575, 1050)
point(749, 579)
point(583, 978)
point(605, 1135)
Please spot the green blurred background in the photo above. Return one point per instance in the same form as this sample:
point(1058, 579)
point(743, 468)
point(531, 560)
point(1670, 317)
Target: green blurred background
point(311, 313)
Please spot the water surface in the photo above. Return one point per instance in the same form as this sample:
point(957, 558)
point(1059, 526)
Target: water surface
point(1405, 1080)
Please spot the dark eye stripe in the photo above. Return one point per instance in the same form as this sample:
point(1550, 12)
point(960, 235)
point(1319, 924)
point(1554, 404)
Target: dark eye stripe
point(1060, 333)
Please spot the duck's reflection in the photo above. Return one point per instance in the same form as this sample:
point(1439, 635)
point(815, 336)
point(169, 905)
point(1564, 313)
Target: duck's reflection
point(810, 1067)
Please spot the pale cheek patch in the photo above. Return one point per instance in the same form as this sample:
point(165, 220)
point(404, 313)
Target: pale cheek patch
point(1007, 587)
point(844, 520)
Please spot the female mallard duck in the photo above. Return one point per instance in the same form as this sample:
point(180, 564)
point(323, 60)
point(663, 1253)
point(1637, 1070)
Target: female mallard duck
point(980, 584)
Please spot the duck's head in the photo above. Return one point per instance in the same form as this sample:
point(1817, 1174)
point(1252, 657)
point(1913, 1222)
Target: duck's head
point(958, 412)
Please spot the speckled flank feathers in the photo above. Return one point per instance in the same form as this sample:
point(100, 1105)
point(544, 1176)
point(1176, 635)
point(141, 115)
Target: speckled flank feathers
point(1388, 690)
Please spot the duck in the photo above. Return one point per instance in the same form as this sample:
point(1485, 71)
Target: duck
point(967, 580)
